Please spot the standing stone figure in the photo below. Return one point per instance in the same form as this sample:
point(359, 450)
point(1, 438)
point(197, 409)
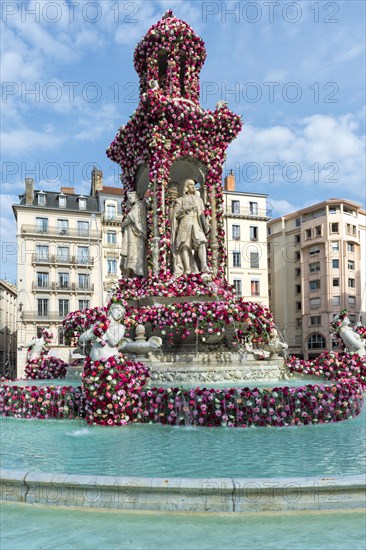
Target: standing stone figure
point(35, 348)
point(134, 234)
point(188, 228)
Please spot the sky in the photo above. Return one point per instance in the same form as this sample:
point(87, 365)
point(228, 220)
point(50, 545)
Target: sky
point(294, 71)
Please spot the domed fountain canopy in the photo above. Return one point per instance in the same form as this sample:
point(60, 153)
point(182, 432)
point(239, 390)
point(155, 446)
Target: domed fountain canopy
point(173, 36)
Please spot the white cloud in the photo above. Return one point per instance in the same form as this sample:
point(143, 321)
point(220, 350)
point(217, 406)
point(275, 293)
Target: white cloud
point(280, 207)
point(23, 141)
point(328, 149)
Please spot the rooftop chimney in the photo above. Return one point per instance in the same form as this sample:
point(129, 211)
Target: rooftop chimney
point(68, 190)
point(29, 191)
point(229, 182)
point(96, 181)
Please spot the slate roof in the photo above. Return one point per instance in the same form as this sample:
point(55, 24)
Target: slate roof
point(72, 202)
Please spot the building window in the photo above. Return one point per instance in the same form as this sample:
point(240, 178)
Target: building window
point(336, 301)
point(269, 293)
point(111, 266)
point(352, 318)
point(299, 323)
point(63, 227)
point(352, 283)
point(254, 288)
point(237, 286)
point(41, 199)
point(336, 281)
point(83, 228)
point(314, 285)
point(42, 225)
point(351, 229)
point(236, 259)
point(351, 264)
point(297, 239)
point(297, 255)
point(333, 209)
point(318, 231)
point(334, 228)
point(308, 234)
point(83, 255)
point(64, 280)
point(314, 268)
point(335, 264)
point(253, 233)
point(42, 253)
point(314, 303)
point(297, 271)
point(235, 207)
point(82, 204)
point(298, 289)
point(297, 222)
point(42, 306)
point(298, 306)
point(83, 281)
point(254, 260)
point(351, 301)
point(315, 320)
point(111, 211)
point(84, 304)
point(316, 341)
point(63, 307)
point(253, 208)
point(63, 254)
point(62, 201)
point(334, 246)
point(314, 250)
point(42, 280)
point(236, 232)
point(111, 237)
point(350, 247)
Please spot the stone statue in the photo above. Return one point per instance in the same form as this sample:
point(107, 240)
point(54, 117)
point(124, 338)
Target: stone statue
point(134, 234)
point(35, 348)
point(38, 347)
point(113, 338)
point(354, 343)
point(188, 228)
point(275, 345)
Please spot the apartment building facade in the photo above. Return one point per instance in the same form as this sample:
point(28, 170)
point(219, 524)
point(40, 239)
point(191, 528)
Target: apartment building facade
point(8, 328)
point(246, 216)
point(316, 268)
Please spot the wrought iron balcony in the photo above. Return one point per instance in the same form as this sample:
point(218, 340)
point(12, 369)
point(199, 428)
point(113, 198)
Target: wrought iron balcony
point(109, 219)
point(245, 212)
point(41, 318)
point(83, 234)
point(55, 259)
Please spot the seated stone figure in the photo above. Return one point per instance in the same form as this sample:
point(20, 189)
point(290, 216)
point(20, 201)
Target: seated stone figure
point(113, 338)
point(354, 343)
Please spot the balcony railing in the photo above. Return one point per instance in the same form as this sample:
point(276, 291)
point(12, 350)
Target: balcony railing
point(55, 259)
point(92, 234)
point(46, 316)
point(115, 219)
point(249, 213)
point(62, 287)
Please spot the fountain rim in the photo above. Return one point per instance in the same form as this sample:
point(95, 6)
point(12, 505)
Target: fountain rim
point(183, 494)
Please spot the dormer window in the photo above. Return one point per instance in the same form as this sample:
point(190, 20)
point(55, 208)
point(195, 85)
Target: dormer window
point(62, 201)
point(41, 199)
point(82, 203)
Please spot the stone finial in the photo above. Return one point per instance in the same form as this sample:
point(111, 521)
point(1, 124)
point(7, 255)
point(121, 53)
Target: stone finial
point(140, 333)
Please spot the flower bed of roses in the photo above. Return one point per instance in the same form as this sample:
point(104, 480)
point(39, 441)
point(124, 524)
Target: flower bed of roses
point(331, 366)
point(41, 402)
point(114, 393)
point(45, 368)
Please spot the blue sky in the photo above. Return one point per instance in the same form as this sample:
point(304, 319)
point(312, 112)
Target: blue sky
point(295, 71)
